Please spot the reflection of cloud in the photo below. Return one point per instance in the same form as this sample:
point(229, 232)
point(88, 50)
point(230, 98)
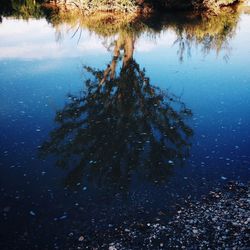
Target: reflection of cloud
point(47, 50)
point(35, 39)
point(165, 39)
point(91, 44)
point(28, 51)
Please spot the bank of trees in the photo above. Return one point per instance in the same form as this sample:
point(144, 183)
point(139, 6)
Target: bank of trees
point(145, 5)
point(32, 8)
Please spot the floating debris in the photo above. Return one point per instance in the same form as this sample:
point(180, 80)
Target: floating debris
point(32, 213)
point(6, 209)
point(63, 217)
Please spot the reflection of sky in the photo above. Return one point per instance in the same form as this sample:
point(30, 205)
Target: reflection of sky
point(37, 72)
point(36, 39)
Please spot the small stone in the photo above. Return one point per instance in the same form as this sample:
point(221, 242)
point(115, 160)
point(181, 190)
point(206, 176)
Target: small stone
point(81, 238)
point(112, 247)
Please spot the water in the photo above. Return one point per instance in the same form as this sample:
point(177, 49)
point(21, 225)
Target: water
point(104, 127)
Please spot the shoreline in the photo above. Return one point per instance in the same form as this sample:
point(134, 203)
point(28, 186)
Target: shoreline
point(140, 7)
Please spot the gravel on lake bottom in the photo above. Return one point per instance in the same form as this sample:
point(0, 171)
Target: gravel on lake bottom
point(220, 220)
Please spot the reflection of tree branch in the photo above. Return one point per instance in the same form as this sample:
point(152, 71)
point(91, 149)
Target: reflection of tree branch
point(210, 32)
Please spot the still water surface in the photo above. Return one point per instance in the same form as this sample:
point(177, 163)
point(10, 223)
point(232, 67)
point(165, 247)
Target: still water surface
point(101, 129)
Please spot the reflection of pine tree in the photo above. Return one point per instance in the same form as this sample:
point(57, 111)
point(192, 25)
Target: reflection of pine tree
point(120, 126)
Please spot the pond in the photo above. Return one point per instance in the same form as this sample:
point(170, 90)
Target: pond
point(106, 125)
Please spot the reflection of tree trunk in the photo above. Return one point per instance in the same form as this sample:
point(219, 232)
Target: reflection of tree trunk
point(118, 46)
point(127, 44)
point(128, 49)
point(112, 67)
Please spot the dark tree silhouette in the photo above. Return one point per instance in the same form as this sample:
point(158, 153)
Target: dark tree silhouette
point(120, 127)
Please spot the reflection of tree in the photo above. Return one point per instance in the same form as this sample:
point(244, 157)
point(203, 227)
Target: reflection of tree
point(24, 9)
point(211, 33)
point(208, 31)
point(120, 127)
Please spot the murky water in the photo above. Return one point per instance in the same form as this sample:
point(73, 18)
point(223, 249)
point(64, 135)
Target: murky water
point(102, 125)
